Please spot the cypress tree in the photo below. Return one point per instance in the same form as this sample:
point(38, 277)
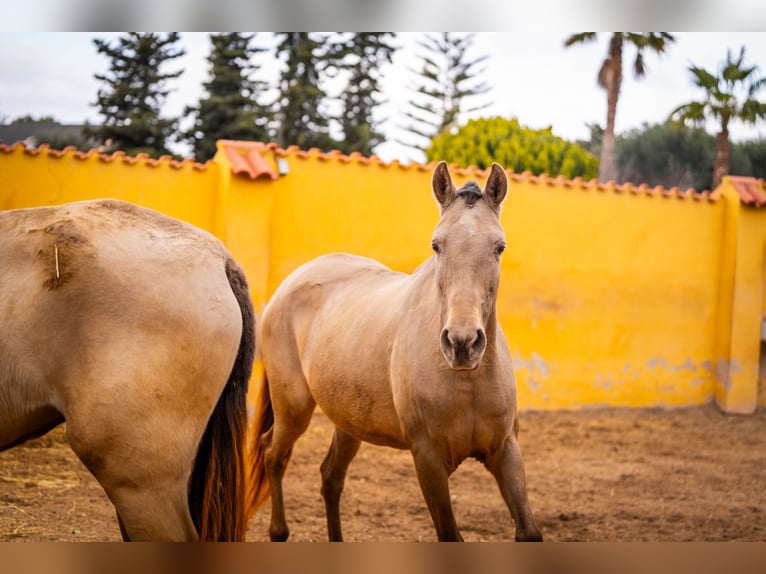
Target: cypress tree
point(231, 109)
point(133, 91)
point(301, 121)
point(363, 55)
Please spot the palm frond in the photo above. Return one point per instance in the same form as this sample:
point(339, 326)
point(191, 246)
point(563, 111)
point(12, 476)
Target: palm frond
point(703, 79)
point(580, 38)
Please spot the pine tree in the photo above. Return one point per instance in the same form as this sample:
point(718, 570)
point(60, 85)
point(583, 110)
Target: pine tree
point(363, 55)
point(231, 109)
point(301, 122)
point(134, 90)
point(447, 79)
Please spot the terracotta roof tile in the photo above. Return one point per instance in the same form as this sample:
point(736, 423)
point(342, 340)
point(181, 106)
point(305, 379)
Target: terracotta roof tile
point(247, 158)
point(71, 151)
point(250, 158)
point(526, 176)
point(751, 191)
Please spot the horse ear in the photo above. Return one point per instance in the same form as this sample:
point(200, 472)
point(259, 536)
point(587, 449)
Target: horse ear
point(441, 184)
point(497, 185)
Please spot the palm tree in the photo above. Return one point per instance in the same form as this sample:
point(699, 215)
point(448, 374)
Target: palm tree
point(610, 78)
point(728, 96)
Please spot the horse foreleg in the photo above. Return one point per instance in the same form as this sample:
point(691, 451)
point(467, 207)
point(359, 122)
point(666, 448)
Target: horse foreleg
point(507, 467)
point(434, 483)
point(342, 451)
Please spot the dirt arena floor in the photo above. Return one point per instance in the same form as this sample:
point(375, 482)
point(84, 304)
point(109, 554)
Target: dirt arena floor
point(597, 475)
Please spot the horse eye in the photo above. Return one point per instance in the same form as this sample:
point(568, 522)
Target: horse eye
point(499, 249)
point(435, 247)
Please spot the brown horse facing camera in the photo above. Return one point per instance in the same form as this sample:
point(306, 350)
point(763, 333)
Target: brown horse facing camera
point(137, 330)
point(414, 362)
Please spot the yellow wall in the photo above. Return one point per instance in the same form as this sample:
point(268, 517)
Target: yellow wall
point(606, 297)
point(185, 190)
point(609, 296)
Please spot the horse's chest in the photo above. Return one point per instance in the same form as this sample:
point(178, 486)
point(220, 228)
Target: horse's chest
point(463, 418)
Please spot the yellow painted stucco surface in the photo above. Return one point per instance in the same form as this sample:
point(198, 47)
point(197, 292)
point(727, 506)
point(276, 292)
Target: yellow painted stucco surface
point(620, 297)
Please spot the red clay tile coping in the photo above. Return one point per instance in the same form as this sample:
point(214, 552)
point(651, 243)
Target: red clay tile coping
point(245, 155)
point(751, 191)
point(71, 151)
point(247, 158)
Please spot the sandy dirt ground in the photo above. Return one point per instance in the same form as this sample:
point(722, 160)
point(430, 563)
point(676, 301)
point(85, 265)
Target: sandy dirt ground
point(690, 474)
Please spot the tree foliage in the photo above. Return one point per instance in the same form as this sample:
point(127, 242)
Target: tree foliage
point(674, 155)
point(301, 117)
point(482, 141)
point(448, 78)
point(668, 154)
point(362, 55)
point(749, 158)
point(728, 95)
point(134, 90)
point(610, 78)
point(231, 108)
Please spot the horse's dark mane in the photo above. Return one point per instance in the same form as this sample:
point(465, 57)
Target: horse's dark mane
point(470, 192)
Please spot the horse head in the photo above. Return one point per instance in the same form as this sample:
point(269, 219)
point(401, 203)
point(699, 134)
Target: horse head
point(468, 242)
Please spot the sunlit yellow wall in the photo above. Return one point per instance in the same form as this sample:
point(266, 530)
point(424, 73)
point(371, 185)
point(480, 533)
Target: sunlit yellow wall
point(187, 192)
point(742, 308)
point(608, 297)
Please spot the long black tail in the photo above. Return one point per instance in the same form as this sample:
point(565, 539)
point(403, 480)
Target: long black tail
point(218, 490)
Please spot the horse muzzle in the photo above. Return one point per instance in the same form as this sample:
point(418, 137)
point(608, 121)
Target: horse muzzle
point(463, 347)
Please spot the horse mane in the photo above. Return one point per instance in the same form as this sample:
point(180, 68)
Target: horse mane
point(471, 193)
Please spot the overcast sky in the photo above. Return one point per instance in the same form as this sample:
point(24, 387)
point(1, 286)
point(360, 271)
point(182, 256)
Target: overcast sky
point(534, 79)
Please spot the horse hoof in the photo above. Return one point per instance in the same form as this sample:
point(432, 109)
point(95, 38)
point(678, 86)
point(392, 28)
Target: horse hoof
point(279, 535)
point(530, 537)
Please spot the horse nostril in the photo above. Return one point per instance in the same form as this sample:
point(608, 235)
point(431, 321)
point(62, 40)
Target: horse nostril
point(445, 339)
point(479, 342)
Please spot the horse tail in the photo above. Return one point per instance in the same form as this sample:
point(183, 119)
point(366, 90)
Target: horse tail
point(218, 496)
point(263, 422)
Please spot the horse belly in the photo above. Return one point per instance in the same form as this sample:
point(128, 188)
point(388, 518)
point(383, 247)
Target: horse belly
point(354, 391)
point(26, 412)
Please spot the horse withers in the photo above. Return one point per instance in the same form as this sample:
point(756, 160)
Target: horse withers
point(414, 362)
point(138, 331)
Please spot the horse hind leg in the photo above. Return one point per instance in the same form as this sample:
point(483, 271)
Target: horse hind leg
point(153, 515)
point(148, 486)
point(342, 451)
point(292, 416)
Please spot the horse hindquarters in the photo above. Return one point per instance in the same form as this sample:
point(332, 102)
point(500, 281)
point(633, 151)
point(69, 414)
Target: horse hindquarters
point(141, 443)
